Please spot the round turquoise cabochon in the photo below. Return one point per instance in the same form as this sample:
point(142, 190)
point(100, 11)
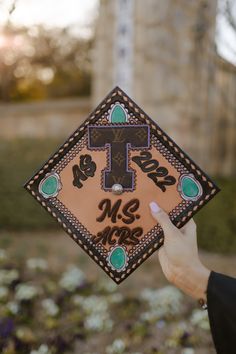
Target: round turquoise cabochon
point(49, 186)
point(190, 187)
point(118, 258)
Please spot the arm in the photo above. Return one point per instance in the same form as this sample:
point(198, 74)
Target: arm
point(221, 299)
point(182, 267)
point(179, 256)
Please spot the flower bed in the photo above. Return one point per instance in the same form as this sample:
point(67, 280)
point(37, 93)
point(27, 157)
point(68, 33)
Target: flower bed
point(44, 311)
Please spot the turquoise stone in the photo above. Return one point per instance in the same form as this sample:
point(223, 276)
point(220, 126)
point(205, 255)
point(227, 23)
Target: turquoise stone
point(118, 114)
point(190, 187)
point(50, 185)
point(118, 258)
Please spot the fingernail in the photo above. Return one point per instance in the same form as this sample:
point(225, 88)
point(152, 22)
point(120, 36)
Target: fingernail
point(154, 207)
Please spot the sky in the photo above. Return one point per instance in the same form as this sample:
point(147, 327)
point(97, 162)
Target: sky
point(225, 37)
point(80, 13)
point(51, 13)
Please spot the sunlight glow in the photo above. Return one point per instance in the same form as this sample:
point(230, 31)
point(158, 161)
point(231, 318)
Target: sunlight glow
point(50, 13)
point(79, 14)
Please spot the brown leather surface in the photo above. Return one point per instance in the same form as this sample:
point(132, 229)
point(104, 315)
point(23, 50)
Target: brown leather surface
point(83, 202)
point(77, 208)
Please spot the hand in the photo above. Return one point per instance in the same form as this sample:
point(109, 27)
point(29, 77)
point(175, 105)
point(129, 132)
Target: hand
point(179, 255)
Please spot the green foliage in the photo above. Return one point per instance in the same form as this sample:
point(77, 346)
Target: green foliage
point(19, 211)
point(217, 221)
point(49, 63)
point(18, 160)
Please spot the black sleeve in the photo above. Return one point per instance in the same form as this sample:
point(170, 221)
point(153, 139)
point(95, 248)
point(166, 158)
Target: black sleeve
point(221, 300)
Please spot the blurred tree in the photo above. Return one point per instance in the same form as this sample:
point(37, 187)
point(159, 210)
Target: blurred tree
point(38, 63)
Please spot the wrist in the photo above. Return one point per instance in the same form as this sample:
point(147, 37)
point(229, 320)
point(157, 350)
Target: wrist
point(193, 280)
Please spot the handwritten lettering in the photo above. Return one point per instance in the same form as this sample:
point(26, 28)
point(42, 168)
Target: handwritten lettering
point(127, 213)
point(86, 169)
point(121, 235)
point(157, 173)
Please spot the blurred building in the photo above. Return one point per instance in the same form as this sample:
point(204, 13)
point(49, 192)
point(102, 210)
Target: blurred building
point(162, 53)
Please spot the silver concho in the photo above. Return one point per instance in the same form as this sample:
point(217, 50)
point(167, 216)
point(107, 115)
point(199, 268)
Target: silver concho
point(117, 189)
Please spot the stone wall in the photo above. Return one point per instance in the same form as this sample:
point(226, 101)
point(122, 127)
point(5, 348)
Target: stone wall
point(224, 110)
point(43, 119)
point(103, 59)
point(178, 78)
point(174, 46)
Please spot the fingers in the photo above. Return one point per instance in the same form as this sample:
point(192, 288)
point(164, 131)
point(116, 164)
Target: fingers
point(189, 228)
point(161, 255)
point(190, 234)
point(162, 217)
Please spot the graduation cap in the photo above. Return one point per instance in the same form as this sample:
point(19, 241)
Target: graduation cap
point(99, 183)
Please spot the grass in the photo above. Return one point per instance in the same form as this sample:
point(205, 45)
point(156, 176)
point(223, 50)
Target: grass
point(19, 211)
point(19, 159)
point(217, 221)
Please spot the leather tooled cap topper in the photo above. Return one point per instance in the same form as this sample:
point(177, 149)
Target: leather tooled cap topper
point(99, 183)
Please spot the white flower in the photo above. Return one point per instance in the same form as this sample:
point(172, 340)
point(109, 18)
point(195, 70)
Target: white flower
point(3, 292)
point(98, 322)
point(107, 285)
point(148, 316)
point(200, 319)
point(115, 298)
point(162, 302)
point(25, 292)
point(94, 323)
point(117, 347)
point(188, 351)
point(72, 278)
point(77, 299)
point(95, 304)
point(96, 308)
point(43, 349)
point(37, 264)
point(3, 255)
point(50, 307)
point(13, 307)
point(8, 276)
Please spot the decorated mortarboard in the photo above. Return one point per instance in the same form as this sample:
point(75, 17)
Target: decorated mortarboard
point(99, 184)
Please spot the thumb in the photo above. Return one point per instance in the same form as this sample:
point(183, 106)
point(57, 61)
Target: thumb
point(163, 219)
